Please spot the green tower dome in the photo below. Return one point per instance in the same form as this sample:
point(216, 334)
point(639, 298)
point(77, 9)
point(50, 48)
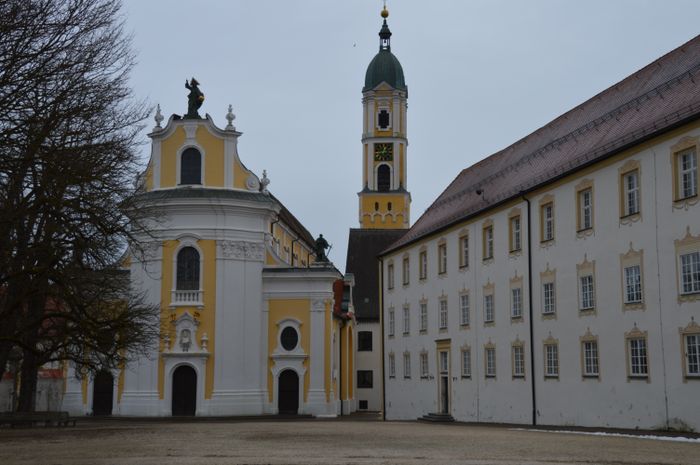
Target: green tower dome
point(384, 67)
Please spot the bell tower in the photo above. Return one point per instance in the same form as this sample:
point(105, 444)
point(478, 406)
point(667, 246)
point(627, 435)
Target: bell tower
point(384, 201)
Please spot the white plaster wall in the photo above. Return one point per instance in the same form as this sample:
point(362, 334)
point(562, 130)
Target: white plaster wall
point(366, 360)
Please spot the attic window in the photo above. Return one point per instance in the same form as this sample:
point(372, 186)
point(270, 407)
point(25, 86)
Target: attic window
point(383, 119)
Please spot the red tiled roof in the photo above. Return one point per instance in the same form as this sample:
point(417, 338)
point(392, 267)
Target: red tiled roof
point(655, 99)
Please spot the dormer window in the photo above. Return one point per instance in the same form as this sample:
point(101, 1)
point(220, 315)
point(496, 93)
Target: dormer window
point(191, 167)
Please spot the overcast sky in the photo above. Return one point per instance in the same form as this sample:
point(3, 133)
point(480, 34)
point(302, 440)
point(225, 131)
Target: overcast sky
point(480, 74)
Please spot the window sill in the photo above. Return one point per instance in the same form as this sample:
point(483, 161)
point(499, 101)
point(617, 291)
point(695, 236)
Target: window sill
point(638, 378)
point(442, 330)
point(406, 377)
point(490, 376)
point(424, 377)
point(686, 202)
point(546, 241)
point(463, 267)
point(630, 216)
point(585, 231)
point(590, 376)
point(406, 334)
point(489, 323)
point(685, 199)
point(586, 311)
point(464, 326)
point(466, 376)
point(519, 377)
point(692, 377)
point(516, 319)
point(392, 376)
point(549, 316)
point(423, 331)
point(551, 377)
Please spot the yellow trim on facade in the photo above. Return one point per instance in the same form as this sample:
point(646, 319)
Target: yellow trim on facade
point(168, 157)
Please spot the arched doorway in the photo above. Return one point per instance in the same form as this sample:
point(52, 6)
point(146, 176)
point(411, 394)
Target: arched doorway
point(184, 391)
point(288, 392)
point(102, 393)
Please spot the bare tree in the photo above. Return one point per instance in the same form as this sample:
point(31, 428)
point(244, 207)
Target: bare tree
point(69, 129)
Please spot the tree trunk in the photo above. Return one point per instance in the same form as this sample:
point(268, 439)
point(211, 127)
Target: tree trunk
point(28, 383)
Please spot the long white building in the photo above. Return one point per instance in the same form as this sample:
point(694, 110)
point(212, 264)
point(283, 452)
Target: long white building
point(558, 281)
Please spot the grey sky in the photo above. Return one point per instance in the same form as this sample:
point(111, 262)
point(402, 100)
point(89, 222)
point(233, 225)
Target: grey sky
point(480, 74)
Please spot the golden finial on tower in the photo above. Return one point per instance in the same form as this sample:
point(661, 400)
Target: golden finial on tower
point(385, 12)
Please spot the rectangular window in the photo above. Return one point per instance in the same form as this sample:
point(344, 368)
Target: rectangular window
point(587, 292)
point(687, 174)
point(364, 341)
point(692, 355)
point(548, 299)
point(488, 242)
point(585, 214)
point(392, 322)
point(547, 222)
point(406, 320)
point(488, 309)
point(423, 316)
point(390, 276)
point(638, 362)
point(442, 258)
point(590, 358)
point(518, 361)
point(690, 273)
point(516, 301)
point(443, 314)
point(633, 284)
point(405, 271)
point(464, 251)
point(464, 309)
point(490, 362)
point(423, 264)
point(515, 240)
point(631, 192)
point(424, 365)
point(551, 367)
point(392, 366)
point(466, 363)
point(364, 379)
point(444, 364)
point(407, 365)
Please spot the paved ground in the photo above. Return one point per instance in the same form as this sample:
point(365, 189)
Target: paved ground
point(324, 442)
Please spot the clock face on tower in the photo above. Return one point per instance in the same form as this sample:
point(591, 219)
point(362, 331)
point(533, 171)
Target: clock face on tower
point(383, 152)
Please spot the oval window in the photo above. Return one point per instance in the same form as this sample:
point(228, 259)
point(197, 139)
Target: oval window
point(289, 338)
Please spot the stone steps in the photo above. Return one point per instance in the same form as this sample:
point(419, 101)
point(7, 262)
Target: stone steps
point(437, 418)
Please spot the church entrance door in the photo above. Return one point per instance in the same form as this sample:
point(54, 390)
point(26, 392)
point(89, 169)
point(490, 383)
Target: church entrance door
point(184, 391)
point(288, 392)
point(102, 393)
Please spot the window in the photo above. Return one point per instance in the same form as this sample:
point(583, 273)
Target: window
point(383, 178)
point(191, 167)
point(406, 365)
point(442, 258)
point(464, 309)
point(516, 300)
point(547, 222)
point(587, 293)
point(590, 358)
point(518, 361)
point(490, 360)
point(390, 275)
point(423, 316)
point(187, 278)
point(690, 273)
point(383, 118)
point(289, 338)
point(424, 365)
point(585, 206)
point(423, 264)
point(392, 322)
point(444, 364)
point(364, 379)
point(443, 314)
point(488, 309)
point(466, 363)
point(464, 251)
point(687, 165)
point(630, 184)
point(548, 299)
point(488, 242)
point(405, 271)
point(364, 341)
point(406, 320)
point(515, 238)
point(692, 355)
point(551, 362)
point(638, 362)
point(633, 284)
point(392, 366)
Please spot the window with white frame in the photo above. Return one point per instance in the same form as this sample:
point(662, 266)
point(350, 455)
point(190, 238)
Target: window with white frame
point(631, 192)
point(423, 264)
point(518, 361)
point(587, 300)
point(551, 362)
point(464, 309)
point(633, 284)
point(444, 362)
point(392, 366)
point(692, 354)
point(490, 361)
point(443, 313)
point(638, 361)
point(547, 222)
point(488, 242)
point(390, 276)
point(690, 273)
point(392, 322)
point(464, 251)
point(687, 174)
point(406, 320)
point(466, 363)
point(516, 301)
point(548, 299)
point(585, 205)
point(515, 234)
point(442, 258)
point(590, 358)
point(423, 316)
point(424, 364)
point(407, 365)
point(406, 270)
point(488, 309)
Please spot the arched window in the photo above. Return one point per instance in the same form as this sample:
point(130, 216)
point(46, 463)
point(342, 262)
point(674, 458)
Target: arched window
point(191, 167)
point(187, 269)
point(383, 178)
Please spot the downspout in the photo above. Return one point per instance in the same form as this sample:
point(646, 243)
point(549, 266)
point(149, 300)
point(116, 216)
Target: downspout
point(340, 364)
point(381, 333)
point(529, 296)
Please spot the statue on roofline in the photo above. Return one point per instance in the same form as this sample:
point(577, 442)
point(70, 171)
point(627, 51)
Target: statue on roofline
point(194, 99)
point(321, 246)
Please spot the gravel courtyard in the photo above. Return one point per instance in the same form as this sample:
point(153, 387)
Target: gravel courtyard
point(324, 442)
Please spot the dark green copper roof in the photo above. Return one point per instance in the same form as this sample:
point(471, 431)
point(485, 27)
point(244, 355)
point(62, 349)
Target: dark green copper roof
point(384, 67)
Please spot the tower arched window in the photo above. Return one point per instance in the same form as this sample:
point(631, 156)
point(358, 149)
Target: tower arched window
point(187, 269)
point(383, 178)
point(191, 167)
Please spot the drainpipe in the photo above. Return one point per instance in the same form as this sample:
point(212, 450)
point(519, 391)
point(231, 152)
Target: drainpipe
point(381, 333)
point(340, 365)
point(529, 295)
